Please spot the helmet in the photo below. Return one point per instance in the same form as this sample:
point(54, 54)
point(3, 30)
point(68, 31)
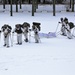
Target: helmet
point(65, 19)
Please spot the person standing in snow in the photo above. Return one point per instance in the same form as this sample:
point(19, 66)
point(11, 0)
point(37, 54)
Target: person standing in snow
point(19, 30)
point(26, 27)
point(6, 29)
point(36, 29)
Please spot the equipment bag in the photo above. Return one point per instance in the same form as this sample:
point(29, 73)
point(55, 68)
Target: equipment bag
point(71, 25)
point(47, 35)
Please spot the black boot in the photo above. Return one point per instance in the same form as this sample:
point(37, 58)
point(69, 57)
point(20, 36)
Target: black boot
point(37, 41)
point(17, 43)
point(8, 46)
point(4, 45)
point(20, 43)
point(26, 40)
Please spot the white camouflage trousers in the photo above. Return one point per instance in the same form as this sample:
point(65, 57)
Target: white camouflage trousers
point(6, 40)
point(19, 38)
point(63, 30)
point(26, 35)
point(36, 36)
point(69, 35)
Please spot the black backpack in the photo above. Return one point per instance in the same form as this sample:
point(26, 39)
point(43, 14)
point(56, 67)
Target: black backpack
point(71, 25)
point(18, 28)
point(37, 25)
point(9, 27)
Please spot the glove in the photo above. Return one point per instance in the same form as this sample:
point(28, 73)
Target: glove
point(36, 32)
point(26, 31)
point(59, 22)
point(0, 31)
point(29, 29)
point(5, 36)
point(12, 32)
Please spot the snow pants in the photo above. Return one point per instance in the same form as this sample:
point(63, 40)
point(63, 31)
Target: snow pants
point(36, 36)
point(19, 38)
point(26, 36)
point(6, 40)
point(63, 30)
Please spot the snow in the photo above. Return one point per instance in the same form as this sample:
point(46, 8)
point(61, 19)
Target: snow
point(52, 56)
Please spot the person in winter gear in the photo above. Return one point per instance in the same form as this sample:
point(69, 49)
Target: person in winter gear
point(67, 27)
point(19, 30)
point(6, 29)
point(63, 31)
point(36, 29)
point(26, 27)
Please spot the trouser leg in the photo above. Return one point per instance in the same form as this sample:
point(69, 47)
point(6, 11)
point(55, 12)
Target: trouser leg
point(63, 31)
point(36, 38)
point(69, 35)
point(7, 40)
point(26, 37)
point(19, 38)
point(4, 40)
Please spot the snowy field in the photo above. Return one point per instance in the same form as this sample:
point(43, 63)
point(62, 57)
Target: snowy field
point(53, 56)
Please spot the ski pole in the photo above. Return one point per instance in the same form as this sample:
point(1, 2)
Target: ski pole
point(73, 30)
point(0, 36)
point(57, 28)
point(29, 35)
point(39, 40)
point(12, 38)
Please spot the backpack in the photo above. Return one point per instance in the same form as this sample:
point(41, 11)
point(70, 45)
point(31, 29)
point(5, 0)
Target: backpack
point(5, 26)
point(25, 24)
point(71, 25)
point(9, 27)
point(37, 25)
point(18, 28)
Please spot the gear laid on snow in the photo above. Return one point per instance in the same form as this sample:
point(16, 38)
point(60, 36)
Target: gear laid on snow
point(71, 24)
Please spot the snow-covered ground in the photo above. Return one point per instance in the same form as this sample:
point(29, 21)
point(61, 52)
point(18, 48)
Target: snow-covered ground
point(53, 56)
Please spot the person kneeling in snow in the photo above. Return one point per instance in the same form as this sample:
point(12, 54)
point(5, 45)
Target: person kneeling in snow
point(36, 29)
point(18, 29)
point(68, 30)
point(63, 30)
point(6, 29)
